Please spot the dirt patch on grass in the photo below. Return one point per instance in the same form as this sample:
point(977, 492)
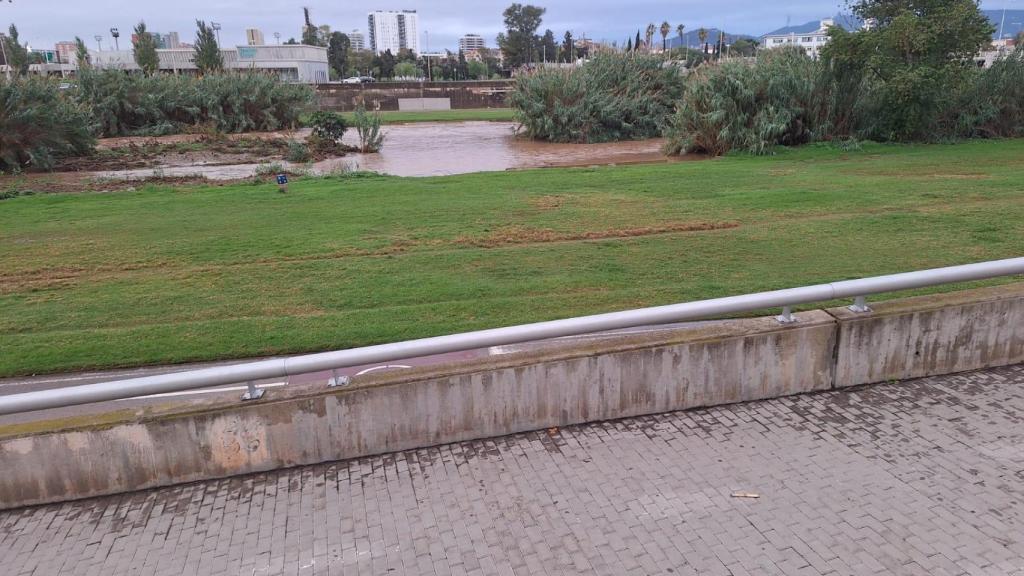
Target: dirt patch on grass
point(512, 235)
point(548, 202)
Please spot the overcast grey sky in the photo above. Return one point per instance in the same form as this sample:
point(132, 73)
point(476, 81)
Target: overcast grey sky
point(44, 22)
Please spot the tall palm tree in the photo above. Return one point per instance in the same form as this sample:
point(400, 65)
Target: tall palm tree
point(665, 29)
point(703, 35)
point(650, 35)
point(679, 30)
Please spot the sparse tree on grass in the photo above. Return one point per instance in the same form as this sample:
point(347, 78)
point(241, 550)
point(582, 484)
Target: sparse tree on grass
point(519, 40)
point(207, 51)
point(666, 28)
point(680, 29)
point(337, 52)
point(703, 35)
point(649, 37)
point(17, 55)
point(144, 46)
point(82, 57)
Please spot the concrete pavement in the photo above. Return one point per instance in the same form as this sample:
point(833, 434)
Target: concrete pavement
point(921, 477)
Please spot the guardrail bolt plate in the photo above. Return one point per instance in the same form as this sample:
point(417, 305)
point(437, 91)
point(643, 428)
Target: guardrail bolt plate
point(787, 316)
point(253, 393)
point(337, 380)
point(860, 305)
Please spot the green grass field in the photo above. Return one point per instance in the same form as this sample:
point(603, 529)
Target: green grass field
point(160, 275)
point(403, 117)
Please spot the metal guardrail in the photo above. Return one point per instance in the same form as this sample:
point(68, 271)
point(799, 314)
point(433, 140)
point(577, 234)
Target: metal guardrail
point(283, 367)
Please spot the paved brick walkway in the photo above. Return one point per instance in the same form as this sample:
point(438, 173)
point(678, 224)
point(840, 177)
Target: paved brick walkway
point(925, 477)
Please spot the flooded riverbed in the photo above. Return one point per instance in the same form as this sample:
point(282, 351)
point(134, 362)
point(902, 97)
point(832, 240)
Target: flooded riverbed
point(438, 149)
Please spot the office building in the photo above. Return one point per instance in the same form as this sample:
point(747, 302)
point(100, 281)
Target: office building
point(254, 37)
point(393, 30)
point(291, 62)
point(471, 42)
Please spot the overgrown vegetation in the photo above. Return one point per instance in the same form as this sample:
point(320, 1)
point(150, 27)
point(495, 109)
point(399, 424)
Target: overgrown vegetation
point(611, 97)
point(735, 105)
point(136, 105)
point(38, 124)
point(371, 139)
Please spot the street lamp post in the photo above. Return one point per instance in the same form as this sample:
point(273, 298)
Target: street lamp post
point(277, 37)
point(116, 34)
point(216, 28)
point(99, 42)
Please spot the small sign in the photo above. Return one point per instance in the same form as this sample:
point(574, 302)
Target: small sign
point(246, 52)
point(282, 179)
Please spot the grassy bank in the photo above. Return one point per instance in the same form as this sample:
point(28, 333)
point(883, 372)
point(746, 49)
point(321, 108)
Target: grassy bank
point(170, 275)
point(404, 117)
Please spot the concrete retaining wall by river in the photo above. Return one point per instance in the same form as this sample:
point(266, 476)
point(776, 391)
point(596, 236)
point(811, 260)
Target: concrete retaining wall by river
point(406, 95)
point(583, 381)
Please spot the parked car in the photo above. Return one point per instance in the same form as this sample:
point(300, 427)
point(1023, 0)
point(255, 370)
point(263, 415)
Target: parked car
point(352, 80)
point(367, 79)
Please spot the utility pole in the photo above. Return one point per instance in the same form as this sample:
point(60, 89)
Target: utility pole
point(216, 28)
point(277, 37)
point(99, 42)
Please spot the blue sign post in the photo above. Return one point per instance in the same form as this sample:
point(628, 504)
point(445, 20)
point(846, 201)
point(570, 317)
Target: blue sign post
point(282, 183)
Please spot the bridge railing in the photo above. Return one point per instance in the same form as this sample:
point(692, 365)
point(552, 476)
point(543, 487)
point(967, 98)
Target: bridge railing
point(282, 367)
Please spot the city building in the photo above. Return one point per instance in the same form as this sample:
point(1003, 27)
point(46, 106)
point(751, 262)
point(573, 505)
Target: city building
point(66, 51)
point(167, 41)
point(293, 63)
point(811, 36)
point(254, 37)
point(357, 39)
point(471, 42)
point(811, 40)
point(394, 30)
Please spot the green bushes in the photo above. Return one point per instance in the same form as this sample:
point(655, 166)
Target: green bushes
point(39, 124)
point(776, 101)
point(368, 127)
point(993, 106)
point(135, 105)
point(328, 125)
point(611, 97)
point(786, 98)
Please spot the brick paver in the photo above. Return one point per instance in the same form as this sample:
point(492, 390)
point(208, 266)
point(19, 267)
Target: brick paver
point(923, 477)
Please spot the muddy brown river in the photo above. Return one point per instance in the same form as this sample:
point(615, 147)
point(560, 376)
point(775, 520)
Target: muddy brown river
point(438, 149)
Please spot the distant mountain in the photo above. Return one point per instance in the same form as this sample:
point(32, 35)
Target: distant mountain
point(847, 21)
point(1012, 25)
point(691, 38)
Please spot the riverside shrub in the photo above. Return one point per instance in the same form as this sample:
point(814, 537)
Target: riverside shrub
point(778, 100)
point(38, 124)
point(136, 105)
point(611, 97)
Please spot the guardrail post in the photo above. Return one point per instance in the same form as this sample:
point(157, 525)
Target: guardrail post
point(860, 305)
point(254, 393)
point(787, 316)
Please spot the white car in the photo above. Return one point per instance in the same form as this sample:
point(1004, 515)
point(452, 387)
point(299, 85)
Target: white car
point(352, 80)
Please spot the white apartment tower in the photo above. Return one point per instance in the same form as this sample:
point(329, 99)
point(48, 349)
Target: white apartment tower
point(471, 42)
point(357, 39)
point(394, 30)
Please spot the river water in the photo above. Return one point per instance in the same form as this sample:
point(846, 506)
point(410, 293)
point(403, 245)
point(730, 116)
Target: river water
point(438, 149)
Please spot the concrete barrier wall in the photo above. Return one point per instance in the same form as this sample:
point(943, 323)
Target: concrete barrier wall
point(704, 365)
point(386, 95)
point(930, 335)
point(715, 364)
